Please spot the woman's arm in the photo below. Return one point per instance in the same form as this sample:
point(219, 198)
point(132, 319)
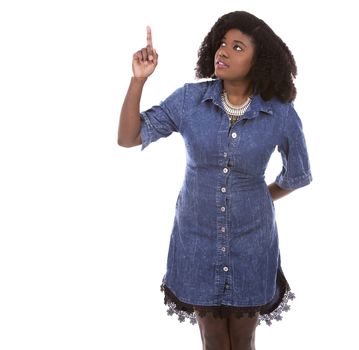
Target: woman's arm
point(277, 192)
point(130, 122)
point(144, 63)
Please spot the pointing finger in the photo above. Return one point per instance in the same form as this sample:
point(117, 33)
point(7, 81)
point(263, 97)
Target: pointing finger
point(149, 37)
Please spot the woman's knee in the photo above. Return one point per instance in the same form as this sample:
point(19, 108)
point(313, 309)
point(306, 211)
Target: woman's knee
point(214, 333)
point(242, 332)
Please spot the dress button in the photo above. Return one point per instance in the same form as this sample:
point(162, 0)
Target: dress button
point(225, 154)
point(223, 209)
point(234, 135)
point(223, 229)
point(223, 249)
point(223, 189)
point(225, 170)
point(225, 269)
point(226, 285)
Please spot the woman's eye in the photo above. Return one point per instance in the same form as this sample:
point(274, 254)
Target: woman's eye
point(237, 48)
point(223, 44)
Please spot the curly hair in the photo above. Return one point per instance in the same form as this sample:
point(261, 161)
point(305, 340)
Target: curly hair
point(274, 67)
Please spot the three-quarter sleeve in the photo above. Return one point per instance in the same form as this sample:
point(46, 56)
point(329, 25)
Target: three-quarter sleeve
point(296, 168)
point(163, 119)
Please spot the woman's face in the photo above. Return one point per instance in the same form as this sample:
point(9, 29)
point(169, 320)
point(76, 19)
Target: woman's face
point(234, 57)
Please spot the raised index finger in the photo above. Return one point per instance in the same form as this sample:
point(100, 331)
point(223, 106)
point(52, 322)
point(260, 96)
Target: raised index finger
point(149, 37)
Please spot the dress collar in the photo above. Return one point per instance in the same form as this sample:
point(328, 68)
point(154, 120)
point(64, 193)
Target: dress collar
point(257, 105)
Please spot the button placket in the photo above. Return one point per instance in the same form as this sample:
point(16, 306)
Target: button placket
point(222, 224)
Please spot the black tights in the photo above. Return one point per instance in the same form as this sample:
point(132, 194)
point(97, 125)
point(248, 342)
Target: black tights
point(227, 333)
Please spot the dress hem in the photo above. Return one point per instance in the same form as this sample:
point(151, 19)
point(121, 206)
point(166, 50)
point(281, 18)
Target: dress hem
point(268, 313)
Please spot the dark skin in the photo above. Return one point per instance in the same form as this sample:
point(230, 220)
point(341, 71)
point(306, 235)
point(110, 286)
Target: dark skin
point(232, 63)
point(277, 192)
point(144, 63)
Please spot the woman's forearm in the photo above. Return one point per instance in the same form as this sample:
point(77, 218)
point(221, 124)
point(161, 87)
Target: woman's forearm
point(130, 122)
point(277, 192)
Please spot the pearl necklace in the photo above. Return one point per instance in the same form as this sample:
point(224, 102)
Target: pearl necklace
point(233, 110)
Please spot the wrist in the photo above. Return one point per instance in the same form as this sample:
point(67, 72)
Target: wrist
point(140, 80)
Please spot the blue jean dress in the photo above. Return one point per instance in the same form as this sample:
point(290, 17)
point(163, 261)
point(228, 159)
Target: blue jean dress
point(224, 254)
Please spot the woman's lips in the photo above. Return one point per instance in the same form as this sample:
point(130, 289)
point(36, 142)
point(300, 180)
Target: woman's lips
point(221, 64)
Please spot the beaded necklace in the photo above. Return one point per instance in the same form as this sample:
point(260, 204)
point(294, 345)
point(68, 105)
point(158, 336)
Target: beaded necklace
point(234, 112)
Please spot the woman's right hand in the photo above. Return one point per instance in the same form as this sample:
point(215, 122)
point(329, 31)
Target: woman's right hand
point(145, 60)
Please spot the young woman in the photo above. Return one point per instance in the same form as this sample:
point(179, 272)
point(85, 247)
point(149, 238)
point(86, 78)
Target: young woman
point(223, 267)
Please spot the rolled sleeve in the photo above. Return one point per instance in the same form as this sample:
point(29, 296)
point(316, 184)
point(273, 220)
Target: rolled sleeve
point(161, 120)
point(296, 171)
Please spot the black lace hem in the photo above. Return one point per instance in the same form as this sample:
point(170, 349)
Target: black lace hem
point(267, 313)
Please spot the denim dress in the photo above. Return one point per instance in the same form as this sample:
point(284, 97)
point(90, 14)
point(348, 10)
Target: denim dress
point(224, 255)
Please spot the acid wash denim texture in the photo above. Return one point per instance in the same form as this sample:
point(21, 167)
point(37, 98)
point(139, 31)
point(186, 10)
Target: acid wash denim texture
point(224, 244)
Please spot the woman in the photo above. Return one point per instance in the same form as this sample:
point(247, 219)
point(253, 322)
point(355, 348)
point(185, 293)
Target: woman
point(223, 267)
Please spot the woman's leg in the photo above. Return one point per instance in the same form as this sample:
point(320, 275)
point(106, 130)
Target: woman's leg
point(242, 332)
point(214, 332)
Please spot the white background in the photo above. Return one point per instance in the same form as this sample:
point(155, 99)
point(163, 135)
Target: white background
point(85, 224)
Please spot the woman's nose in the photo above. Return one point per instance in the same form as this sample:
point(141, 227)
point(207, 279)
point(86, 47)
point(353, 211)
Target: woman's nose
point(222, 52)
